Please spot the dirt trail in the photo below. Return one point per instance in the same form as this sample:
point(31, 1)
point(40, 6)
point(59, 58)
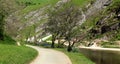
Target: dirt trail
point(49, 56)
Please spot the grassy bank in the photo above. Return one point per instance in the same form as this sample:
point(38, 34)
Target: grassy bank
point(81, 3)
point(33, 5)
point(11, 54)
point(77, 57)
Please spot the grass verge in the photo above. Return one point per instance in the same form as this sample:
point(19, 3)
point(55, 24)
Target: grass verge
point(76, 57)
point(11, 54)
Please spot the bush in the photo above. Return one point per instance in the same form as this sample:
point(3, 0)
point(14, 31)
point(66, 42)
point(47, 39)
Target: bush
point(8, 40)
point(75, 49)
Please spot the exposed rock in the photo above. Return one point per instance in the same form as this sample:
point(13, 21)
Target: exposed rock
point(83, 17)
point(108, 3)
point(97, 6)
point(115, 26)
point(118, 16)
point(61, 2)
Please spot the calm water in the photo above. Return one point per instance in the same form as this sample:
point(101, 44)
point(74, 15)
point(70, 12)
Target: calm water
point(101, 56)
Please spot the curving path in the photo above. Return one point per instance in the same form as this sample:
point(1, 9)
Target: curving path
point(49, 56)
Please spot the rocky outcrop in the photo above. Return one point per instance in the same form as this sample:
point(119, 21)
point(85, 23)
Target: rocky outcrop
point(108, 20)
point(18, 23)
point(97, 6)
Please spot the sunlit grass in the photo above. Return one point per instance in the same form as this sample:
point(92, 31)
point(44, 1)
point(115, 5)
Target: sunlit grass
point(11, 54)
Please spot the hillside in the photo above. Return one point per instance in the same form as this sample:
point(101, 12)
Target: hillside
point(29, 21)
point(99, 21)
point(104, 25)
point(91, 27)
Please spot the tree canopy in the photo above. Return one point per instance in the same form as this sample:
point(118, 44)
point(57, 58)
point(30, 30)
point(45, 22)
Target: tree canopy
point(63, 22)
point(6, 8)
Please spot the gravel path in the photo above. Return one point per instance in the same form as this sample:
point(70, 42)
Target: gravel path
point(49, 56)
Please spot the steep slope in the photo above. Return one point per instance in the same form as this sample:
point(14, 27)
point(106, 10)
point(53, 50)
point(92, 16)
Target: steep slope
point(103, 26)
point(99, 19)
point(28, 22)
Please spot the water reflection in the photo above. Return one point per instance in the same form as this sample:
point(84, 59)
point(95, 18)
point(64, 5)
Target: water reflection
point(102, 56)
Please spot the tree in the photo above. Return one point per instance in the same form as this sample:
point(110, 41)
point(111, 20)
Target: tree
point(52, 27)
point(6, 8)
point(70, 21)
point(62, 22)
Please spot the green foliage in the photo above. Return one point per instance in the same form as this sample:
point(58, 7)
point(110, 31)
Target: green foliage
point(116, 35)
point(107, 43)
point(75, 50)
point(8, 40)
point(63, 21)
point(114, 6)
point(11, 54)
point(6, 8)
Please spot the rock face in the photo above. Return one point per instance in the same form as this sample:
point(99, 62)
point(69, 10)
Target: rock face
point(17, 24)
point(108, 18)
point(97, 6)
point(35, 19)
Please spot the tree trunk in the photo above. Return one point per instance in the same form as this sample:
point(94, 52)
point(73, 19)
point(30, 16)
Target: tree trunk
point(1, 36)
point(63, 43)
point(52, 45)
point(1, 26)
point(72, 44)
point(35, 39)
point(53, 41)
point(69, 49)
point(58, 44)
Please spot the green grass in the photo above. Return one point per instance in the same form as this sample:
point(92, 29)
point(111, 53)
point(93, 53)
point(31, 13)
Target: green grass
point(77, 57)
point(37, 4)
point(42, 3)
point(11, 54)
point(37, 1)
point(81, 3)
point(111, 46)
